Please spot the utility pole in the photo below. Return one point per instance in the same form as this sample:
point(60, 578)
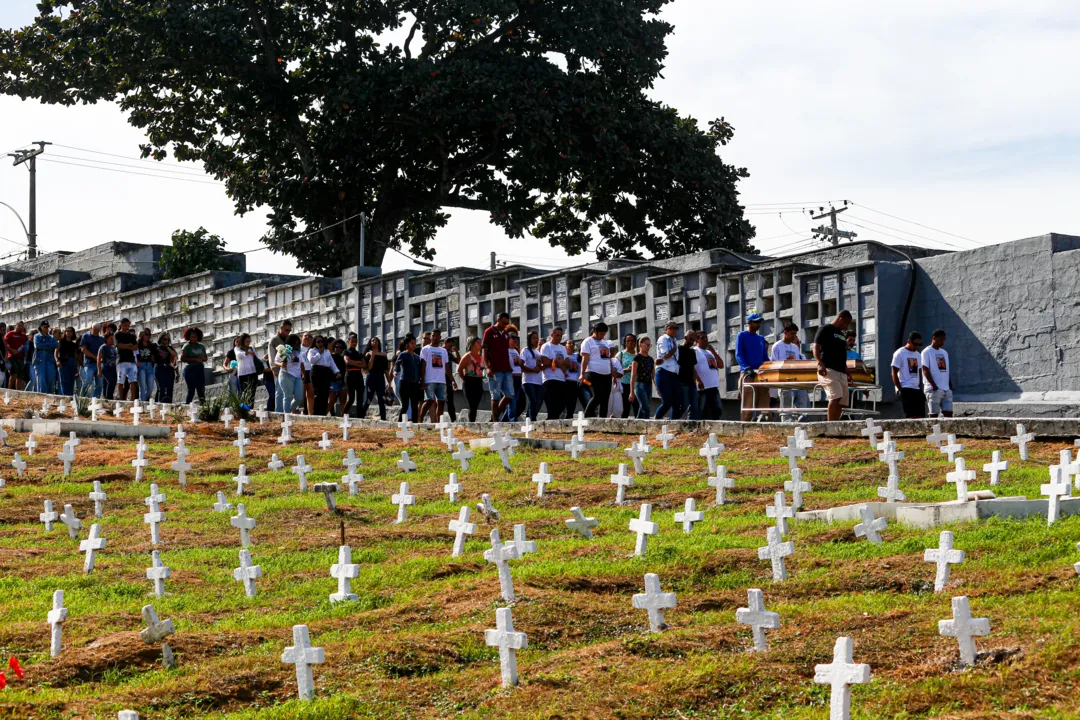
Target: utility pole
point(30, 158)
point(493, 265)
point(832, 234)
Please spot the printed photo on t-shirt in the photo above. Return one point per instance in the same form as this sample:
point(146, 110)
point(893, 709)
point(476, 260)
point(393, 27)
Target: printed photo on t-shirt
point(913, 366)
point(941, 363)
point(436, 360)
point(603, 352)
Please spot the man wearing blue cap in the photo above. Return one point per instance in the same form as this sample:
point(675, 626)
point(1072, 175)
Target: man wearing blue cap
point(751, 351)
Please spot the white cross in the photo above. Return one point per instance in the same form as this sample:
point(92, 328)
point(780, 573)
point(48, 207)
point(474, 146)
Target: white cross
point(780, 512)
point(345, 571)
point(870, 528)
point(524, 546)
point(654, 602)
point(542, 478)
point(527, 427)
point(31, 443)
point(140, 461)
point(943, 556)
point(644, 527)
point(156, 631)
point(995, 467)
point(345, 426)
point(575, 446)
point(637, 452)
point(711, 453)
point(90, 546)
point(892, 492)
point(1068, 466)
point(301, 470)
point(95, 407)
point(886, 438)
point(179, 434)
point(326, 443)
point(227, 417)
point(937, 437)
point(56, 618)
point(803, 438)
point(19, 464)
point(241, 441)
point(450, 441)
point(500, 445)
point(841, 674)
point(501, 555)
point(262, 415)
point(7, 397)
point(303, 656)
point(275, 464)
point(157, 573)
point(154, 517)
point(461, 528)
point(442, 426)
point(580, 523)
point(241, 479)
point(404, 433)
point(402, 499)
point(73, 524)
point(193, 413)
point(99, 497)
point(792, 452)
point(151, 408)
point(509, 642)
point(952, 449)
point(286, 435)
point(964, 628)
point(689, 515)
point(118, 409)
point(247, 573)
point(797, 486)
point(405, 464)
point(871, 431)
point(580, 423)
point(222, 505)
point(44, 406)
point(181, 465)
point(758, 618)
point(892, 457)
point(462, 455)
point(49, 516)
point(328, 490)
point(485, 508)
point(62, 407)
point(66, 456)
point(1022, 438)
point(775, 551)
point(3, 437)
point(154, 496)
point(665, 437)
point(722, 483)
point(961, 476)
point(245, 524)
point(452, 488)
point(287, 421)
point(136, 411)
point(1057, 488)
point(623, 481)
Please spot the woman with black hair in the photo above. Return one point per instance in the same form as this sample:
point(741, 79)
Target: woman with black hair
point(408, 363)
point(165, 372)
point(323, 370)
point(378, 376)
point(193, 355)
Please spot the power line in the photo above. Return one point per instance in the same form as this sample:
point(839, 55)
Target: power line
point(13, 242)
point(908, 232)
point(124, 165)
point(300, 237)
point(926, 227)
point(122, 157)
point(132, 172)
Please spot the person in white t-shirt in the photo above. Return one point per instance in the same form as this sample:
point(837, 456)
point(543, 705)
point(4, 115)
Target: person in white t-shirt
point(788, 348)
point(708, 372)
point(596, 370)
point(554, 374)
point(907, 377)
point(532, 373)
point(433, 360)
point(517, 405)
point(937, 381)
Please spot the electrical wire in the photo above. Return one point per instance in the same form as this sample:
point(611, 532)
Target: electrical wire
point(14, 242)
point(130, 172)
point(187, 173)
point(908, 232)
point(300, 237)
point(115, 155)
point(925, 227)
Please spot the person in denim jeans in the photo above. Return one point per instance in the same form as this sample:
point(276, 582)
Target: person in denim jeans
point(641, 379)
point(67, 361)
point(290, 374)
point(89, 345)
point(44, 363)
point(144, 359)
point(165, 372)
point(667, 374)
point(495, 349)
point(106, 366)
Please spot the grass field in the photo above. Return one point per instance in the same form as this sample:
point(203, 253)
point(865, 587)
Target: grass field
point(413, 644)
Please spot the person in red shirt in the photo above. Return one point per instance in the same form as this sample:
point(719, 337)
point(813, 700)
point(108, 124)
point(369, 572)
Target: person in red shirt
point(15, 342)
point(496, 356)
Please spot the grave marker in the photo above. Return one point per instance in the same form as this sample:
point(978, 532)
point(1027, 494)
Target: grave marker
point(181, 466)
point(792, 452)
point(937, 437)
point(275, 464)
point(404, 433)
point(961, 476)
point(345, 426)
point(1021, 439)
point(637, 452)
point(49, 516)
point(345, 571)
point(665, 437)
point(56, 619)
point(500, 446)
point(1068, 466)
point(136, 411)
point(575, 446)
point(402, 499)
point(193, 412)
point(241, 442)
point(227, 417)
point(871, 431)
point(303, 656)
point(263, 415)
point(157, 573)
point(3, 437)
point(891, 457)
point(580, 423)
point(328, 490)
point(643, 526)
point(758, 618)
point(580, 523)
point(73, 524)
point(722, 483)
point(622, 481)
point(654, 602)
point(501, 555)
point(31, 443)
point(452, 488)
point(461, 528)
point(952, 448)
point(780, 512)
point(66, 456)
point(527, 427)
point(463, 455)
point(180, 434)
point(965, 629)
point(870, 528)
point(156, 632)
point(509, 642)
point(797, 486)
point(995, 467)
point(326, 443)
point(892, 492)
point(90, 546)
point(241, 480)
point(247, 573)
point(542, 479)
point(524, 546)
point(1057, 488)
point(154, 496)
point(405, 464)
point(711, 452)
point(140, 460)
point(244, 524)
point(99, 497)
point(154, 517)
point(301, 470)
point(485, 508)
point(802, 438)
point(841, 674)
point(222, 505)
point(775, 551)
point(351, 461)
point(19, 464)
point(689, 515)
point(943, 556)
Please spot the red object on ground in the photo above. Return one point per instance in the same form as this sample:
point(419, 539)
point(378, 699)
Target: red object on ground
point(13, 663)
point(3, 681)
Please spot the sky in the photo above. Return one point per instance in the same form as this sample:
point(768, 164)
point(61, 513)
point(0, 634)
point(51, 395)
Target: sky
point(944, 124)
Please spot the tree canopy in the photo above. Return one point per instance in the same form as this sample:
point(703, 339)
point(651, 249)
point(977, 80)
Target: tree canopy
point(194, 252)
point(533, 111)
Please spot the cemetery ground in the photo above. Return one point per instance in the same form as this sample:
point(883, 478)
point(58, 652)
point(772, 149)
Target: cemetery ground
point(412, 645)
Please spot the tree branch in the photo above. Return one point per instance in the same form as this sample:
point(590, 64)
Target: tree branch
point(408, 40)
point(456, 201)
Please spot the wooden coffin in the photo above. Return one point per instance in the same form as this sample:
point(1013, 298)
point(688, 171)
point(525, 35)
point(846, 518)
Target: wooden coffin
point(806, 371)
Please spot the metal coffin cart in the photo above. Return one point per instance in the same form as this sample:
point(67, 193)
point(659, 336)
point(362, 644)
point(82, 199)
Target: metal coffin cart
point(802, 375)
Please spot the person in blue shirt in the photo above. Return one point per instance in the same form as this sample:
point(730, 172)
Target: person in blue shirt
point(852, 353)
point(751, 351)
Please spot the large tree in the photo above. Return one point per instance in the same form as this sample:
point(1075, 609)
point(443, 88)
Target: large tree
point(534, 111)
point(195, 252)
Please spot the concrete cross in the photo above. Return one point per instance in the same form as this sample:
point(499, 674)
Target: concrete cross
point(345, 571)
point(326, 443)
point(351, 461)
point(62, 407)
point(301, 470)
point(179, 434)
point(527, 427)
point(1068, 466)
point(95, 407)
point(637, 452)
point(485, 508)
point(665, 437)
point(524, 546)
point(404, 433)
point(722, 483)
point(181, 466)
point(19, 464)
point(262, 415)
point(580, 523)
point(841, 674)
point(90, 546)
point(775, 551)
point(402, 499)
point(442, 426)
point(758, 618)
point(995, 467)
point(73, 524)
point(509, 642)
point(797, 486)
point(154, 517)
point(542, 479)
point(1057, 488)
point(244, 524)
point(275, 464)
point(871, 431)
point(1022, 438)
point(193, 413)
point(345, 426)
point(156, 631)
point(792, 452)
point(287, 421)
point(31, 443)
point(303, 656)
point(151, 409)
point(886, 438)
point(450, 441)
point(643, 526)
point(405, 464)
point(44, 406)
point(501, 555)
point(140, 461)
point(461, 529)
point(136, 411)
point(463, 455)
point(780, 512)
point(654, 602)
point(575, 446)
point(227, 417)
point(328, 490)
point(961, 476)
point(7, 397)
point(222, 505)
point(154, 496)
point(241, 442)
point(500, 446)
point(247, 573)
point(623, 481)
point(689, 515)
point(73, 440)
point(892, 492)
point(286, 435)
point(964, 628)
point(99, 497)
point(56, 618)
point(241, 480)
point(580, 423)
point(943, 556)
point(803, 438)
point(711, 452)
point(49, 516)
point(452, 488)
point(3, 437)
point(870, 528)
point(67, 456)
point(891, 457)
point(157, 573)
